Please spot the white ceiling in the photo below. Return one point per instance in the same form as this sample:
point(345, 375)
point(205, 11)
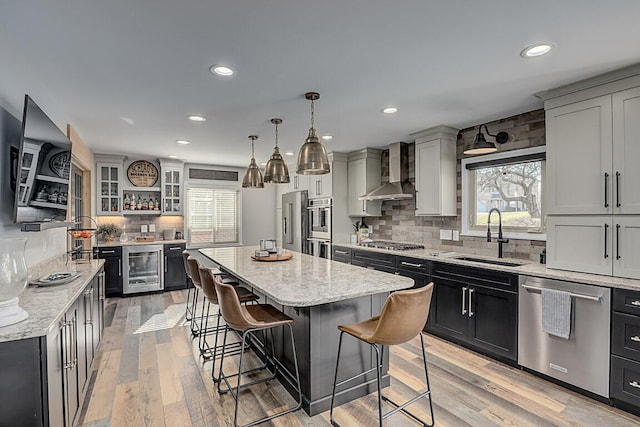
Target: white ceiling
point(128, 72)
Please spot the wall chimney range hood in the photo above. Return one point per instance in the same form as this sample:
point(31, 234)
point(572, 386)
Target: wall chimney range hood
point(398, 186)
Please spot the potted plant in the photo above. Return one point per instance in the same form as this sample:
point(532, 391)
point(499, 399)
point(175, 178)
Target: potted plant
point(108, 231)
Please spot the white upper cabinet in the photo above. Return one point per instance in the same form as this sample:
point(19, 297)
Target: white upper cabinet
point(109, 178)
point(626, 152)
point(435, 161)
point(172, 189)
point(364, 175)
point(321, 186)
point(579, 158)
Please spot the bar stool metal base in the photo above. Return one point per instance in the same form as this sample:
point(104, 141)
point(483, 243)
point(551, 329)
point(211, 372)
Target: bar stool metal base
point(381, 397)
point(235, 391)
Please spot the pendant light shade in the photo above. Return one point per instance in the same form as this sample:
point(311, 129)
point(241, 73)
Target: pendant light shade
point(276, 170)
point(312, 158)
point(253, 176)
point(482, 146)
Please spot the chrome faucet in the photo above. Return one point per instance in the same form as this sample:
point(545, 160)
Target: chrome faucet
point(501, 241)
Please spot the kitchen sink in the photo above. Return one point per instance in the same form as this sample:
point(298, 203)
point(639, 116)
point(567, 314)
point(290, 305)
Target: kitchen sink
point(490, 261)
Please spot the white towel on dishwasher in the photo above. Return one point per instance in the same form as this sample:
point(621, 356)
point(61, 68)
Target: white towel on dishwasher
point(556, 312)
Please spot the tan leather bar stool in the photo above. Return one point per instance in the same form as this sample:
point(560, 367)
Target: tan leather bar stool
point(246, 319)
point(208, 289)
point(402, 318)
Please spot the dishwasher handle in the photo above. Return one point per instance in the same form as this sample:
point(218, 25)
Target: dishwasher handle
point(572, 294)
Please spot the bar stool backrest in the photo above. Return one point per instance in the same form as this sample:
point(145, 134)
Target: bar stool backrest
point(232, 312)
point(403, 316)
point(208, 288)
point(193, 267)
point(185, 255)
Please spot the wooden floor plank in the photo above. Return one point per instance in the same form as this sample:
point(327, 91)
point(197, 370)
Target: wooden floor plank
point(170, 385)
point(103, 392)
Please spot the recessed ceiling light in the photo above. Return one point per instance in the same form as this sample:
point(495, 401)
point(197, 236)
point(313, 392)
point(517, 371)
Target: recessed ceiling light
point(222, 70)
point(536, 50)
point(173, 156)
point(289, 153)
point(183, 142)
point(196, 118)
point(327, 137)
point(389, 110)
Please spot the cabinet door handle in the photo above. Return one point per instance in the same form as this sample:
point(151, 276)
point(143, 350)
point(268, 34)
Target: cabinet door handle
point(363, 206)
point(636, 303)
point(165, 263)
point(410, 264)
point(617, 241)
point(342, 252)
point(635, 338)
point(606, 190)
point(470, 309)
point(617, 189)
point(464, 301)
point(606, 231)
point(63, 342)
point(175, 248)
point(634, 384)
point(120, 267)
point(108, 252)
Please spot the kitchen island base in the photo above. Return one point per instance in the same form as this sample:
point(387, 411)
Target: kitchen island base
point(316, 335)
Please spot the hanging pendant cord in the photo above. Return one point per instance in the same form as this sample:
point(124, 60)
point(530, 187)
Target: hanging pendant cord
point(312, 113)
point(276, 134)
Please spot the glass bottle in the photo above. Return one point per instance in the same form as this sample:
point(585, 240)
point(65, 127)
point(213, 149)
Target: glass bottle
point(145, 205)
point(151, 206)
point(127, 202)
point(139, 202)
point(134, 205)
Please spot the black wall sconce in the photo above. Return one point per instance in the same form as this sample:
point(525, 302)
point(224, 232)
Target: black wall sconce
point(482, 146)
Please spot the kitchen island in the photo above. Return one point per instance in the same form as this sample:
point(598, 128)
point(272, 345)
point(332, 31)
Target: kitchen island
point(319, 295)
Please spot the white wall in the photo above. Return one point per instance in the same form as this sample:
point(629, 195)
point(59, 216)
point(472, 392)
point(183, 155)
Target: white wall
point(16, 79)
point(258, 214)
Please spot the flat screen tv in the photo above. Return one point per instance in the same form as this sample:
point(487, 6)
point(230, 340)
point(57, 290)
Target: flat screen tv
point(43, 169)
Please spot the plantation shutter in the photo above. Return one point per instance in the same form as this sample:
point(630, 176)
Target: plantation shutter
point(212, 216)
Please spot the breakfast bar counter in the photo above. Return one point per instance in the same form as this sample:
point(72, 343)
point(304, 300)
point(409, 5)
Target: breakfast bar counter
point(318, 294)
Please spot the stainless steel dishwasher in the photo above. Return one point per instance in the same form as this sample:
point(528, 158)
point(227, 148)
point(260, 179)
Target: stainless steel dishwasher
point(583, 359)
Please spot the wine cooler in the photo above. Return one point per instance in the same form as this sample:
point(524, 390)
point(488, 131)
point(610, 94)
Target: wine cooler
point(144, 268)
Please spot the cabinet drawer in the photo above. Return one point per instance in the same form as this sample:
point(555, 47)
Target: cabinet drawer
point(416, 265)
point(625, 339)
point(379, 258)
point(375, 266)
point(625, 380)
point(476, 276)
point(112, 251)
point(626, 301)
point(174, 249)
point(341, 252)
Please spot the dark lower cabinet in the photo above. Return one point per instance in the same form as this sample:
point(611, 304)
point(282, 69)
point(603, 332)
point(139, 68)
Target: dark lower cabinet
point(175, 276)
point(44, 379)
point(476, 308)
point(341, 254)
point(624, 383)
point(112, 257)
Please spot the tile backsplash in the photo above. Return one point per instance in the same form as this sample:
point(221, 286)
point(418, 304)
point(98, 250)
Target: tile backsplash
point(399, 223)
point(132, 224)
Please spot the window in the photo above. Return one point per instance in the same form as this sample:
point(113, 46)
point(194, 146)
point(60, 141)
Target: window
point(212, 216)
point(512, 182)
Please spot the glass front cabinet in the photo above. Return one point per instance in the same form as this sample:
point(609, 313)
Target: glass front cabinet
point(171, 187)
point(108, 191)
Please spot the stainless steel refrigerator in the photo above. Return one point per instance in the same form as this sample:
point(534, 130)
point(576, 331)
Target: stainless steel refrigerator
point(295, 225)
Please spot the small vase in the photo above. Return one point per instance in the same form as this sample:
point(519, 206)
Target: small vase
point(13, 280)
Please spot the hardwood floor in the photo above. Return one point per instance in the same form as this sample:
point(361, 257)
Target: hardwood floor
point(148, 374)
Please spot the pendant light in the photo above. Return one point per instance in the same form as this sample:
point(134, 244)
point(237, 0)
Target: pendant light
point(253, 176)
point(482, 146)
point(312, 158)
point(276, 170)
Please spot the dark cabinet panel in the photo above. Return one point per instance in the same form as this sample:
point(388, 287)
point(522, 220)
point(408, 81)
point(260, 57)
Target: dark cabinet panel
point(493, 322)
point(175, 276)
point(625, 338)
point(373, 257)
point(626, 301)
point(447, 317)
point(112, 269)
point(373, 266)
point(625, 380)
point(341, 254)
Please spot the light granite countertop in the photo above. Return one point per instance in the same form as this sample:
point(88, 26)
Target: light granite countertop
point(47, 305)
point(528, 268)
point(134, 243)
point(304, 280)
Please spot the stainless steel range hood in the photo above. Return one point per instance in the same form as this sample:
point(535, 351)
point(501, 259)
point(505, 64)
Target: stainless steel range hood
point(398, 186)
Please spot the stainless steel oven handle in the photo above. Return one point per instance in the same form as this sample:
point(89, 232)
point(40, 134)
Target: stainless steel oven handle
point(573, 295)
point(464, 301)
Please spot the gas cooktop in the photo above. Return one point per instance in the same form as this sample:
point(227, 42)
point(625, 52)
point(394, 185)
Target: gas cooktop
point(394, 246)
